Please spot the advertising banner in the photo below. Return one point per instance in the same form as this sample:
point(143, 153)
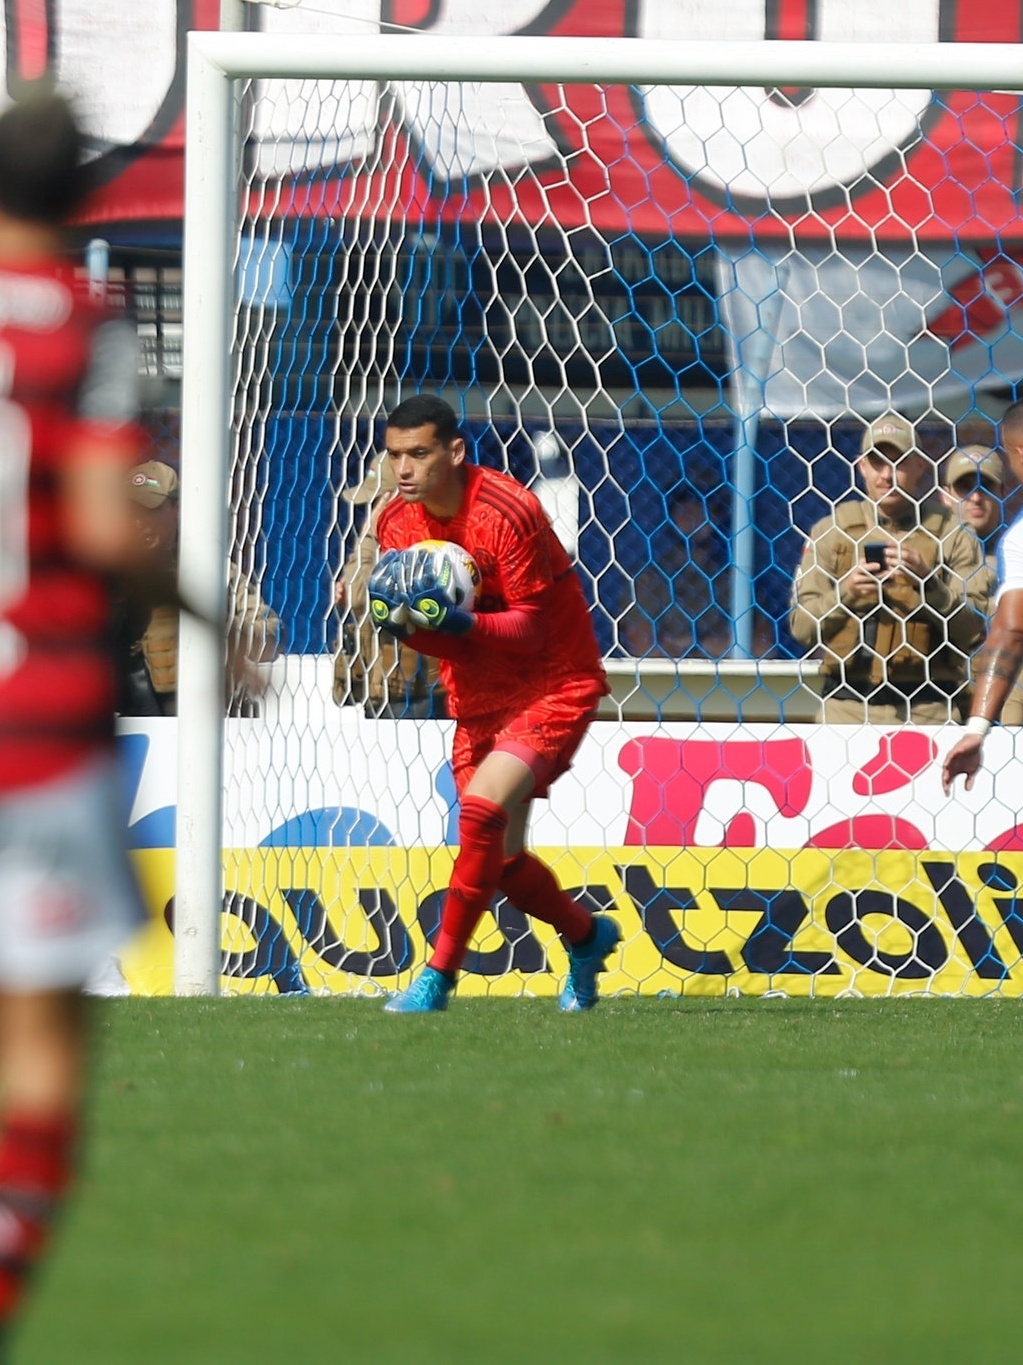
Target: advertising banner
point(694, 921)
point(752, 859)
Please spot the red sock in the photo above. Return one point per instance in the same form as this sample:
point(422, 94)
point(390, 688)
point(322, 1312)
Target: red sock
point(532, 887)
point(36, 1166)
point(481, 826)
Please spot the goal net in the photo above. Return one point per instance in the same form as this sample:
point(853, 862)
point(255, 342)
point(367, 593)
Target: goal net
point(667, 285)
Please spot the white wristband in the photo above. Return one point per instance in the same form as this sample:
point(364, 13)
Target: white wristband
point(977, 725)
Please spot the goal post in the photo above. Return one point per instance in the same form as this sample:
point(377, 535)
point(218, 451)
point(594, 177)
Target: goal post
point(387, 57)
point(261, 294)
point(208, 307)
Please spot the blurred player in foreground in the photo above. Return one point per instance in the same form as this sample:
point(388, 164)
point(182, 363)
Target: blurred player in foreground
point(998, 663)
point(69, 375)
point(523, 676)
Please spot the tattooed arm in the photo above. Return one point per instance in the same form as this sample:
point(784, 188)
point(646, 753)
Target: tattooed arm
point(998, 665)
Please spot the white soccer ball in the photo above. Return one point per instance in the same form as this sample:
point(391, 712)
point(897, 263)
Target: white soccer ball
point(456, 571)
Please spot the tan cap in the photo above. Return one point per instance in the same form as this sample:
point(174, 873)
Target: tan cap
point(378, 478)
point(889, 430)
point(975, 462)
point(152, 483)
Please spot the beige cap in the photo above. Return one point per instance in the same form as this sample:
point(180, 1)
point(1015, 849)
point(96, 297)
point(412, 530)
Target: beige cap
point(889, 430)
point(379, 478)
point(975, 462)
point(152, 483)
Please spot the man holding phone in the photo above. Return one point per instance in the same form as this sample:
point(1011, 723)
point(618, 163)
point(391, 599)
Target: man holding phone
point(888, 593)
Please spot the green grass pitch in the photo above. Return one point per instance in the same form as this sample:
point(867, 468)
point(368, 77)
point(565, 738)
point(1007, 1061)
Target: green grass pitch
point(661, 1180)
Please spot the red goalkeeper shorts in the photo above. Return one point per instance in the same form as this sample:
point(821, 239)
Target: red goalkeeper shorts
point(544, 734)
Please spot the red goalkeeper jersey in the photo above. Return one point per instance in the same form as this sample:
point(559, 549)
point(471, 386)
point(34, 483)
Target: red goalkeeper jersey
point(507, 532)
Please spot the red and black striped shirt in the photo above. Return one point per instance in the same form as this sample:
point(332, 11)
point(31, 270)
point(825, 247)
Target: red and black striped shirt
point(68, 380)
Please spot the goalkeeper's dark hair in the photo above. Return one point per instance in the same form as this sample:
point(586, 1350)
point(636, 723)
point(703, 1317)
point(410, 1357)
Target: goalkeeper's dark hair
point(426, 410)
point(42, 179)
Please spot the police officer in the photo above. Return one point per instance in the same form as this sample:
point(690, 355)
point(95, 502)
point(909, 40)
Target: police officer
point(149, 669)
point(974, 485)
point(888, 591)
point(371, 670)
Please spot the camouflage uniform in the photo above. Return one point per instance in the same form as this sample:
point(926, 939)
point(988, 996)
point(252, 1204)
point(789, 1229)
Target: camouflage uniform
point(372, 669)
point(982, 464)
point(147, 643)
point(252, 626)
point(906, 657)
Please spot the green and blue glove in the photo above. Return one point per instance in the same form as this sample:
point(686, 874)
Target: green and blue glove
point(431, 594)
point(388, 605)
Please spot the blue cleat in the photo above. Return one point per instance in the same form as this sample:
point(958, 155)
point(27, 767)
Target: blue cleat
point(429, 992)
point(586, 963)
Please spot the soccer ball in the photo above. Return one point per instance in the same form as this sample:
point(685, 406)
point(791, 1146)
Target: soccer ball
point(456, 569)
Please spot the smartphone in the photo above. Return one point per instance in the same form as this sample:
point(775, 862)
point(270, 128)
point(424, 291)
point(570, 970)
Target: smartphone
point(873, 553)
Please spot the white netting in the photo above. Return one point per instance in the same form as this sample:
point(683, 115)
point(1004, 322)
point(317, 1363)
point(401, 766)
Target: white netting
point(671, 309)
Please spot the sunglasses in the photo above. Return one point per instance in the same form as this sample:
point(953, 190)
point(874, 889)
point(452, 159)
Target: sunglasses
point(963, 488)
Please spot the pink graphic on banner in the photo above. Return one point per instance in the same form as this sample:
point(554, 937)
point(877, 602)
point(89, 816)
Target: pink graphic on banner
point(741, 832)
point(901, 756)
point(671, 779)
point(1011, 841)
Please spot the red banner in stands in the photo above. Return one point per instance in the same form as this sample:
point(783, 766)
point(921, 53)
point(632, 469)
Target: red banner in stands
point(907, 160)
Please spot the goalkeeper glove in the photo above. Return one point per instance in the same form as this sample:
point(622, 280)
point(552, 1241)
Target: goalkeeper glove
point(430, 593)
point(388, 607)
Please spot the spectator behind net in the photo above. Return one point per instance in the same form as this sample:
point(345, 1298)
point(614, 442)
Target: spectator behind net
point(680, 605)
point(974, 486)
point(378, 672)
point(149, 666)
point(893, 626)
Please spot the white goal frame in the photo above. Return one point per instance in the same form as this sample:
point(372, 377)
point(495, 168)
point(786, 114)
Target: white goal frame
point(215, 60)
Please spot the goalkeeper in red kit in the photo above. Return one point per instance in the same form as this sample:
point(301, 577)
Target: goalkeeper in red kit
point(523, 675)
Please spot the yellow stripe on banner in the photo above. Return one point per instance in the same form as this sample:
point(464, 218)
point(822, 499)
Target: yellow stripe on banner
point(695, 922)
